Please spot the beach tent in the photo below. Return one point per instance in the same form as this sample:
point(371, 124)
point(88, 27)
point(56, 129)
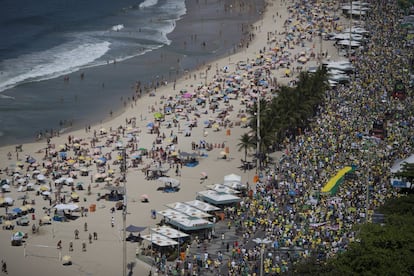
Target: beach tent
point(69, 207)
point(133, 228)
point(332, 186)
point(169, 180)
point(232, 178)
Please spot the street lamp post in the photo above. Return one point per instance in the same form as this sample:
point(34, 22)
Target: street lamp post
point(124, 212)
point(262, 243)
point(258, 134)
point(350, 32)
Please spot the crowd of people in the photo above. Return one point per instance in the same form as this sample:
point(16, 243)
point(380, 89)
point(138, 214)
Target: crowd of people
point(287, 208)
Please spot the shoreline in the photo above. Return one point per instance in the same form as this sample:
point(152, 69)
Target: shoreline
point(104, 83)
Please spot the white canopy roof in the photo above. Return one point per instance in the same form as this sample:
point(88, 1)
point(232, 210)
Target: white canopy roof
point(188, 210)
point(159, 239)
point(222, 189)
point(217, 198)
point(232, 178)
point(68, 206)
point(233, 181)
point(203, 206)
point(169, 232)
point(183, 221)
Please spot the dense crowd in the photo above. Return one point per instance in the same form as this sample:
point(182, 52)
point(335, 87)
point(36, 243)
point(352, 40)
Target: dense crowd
point(287, 208)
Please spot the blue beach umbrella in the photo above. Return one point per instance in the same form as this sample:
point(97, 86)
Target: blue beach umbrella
point(17, 210)
point(31, 160)
point(102, 160)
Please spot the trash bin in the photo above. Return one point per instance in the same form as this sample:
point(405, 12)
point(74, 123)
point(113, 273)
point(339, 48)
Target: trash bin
point(92, 208)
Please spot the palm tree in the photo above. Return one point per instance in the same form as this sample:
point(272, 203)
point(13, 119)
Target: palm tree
point(245, 144)
point(290, 110)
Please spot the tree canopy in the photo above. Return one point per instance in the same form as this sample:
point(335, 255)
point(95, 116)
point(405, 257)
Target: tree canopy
point(381, 249)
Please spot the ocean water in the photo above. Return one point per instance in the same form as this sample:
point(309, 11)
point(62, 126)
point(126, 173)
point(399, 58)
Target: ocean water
point(45, 41)
point(48, 38)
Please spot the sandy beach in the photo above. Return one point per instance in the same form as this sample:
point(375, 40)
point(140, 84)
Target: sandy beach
point(104, 255)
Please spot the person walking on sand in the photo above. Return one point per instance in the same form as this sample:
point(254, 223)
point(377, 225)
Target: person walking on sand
point(112, 222)
point(3, 267)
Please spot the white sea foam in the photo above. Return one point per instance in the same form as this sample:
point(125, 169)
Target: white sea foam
point(148, 3)
point(171, 11)
point(2, 96)
point(117, 27)
point(54, 62)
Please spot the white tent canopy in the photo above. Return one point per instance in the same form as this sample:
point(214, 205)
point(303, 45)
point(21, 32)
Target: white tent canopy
point(203, 206)
point(69, 206)
point(159, 239)
point(169, 232)
point(217, 198)
point(232, 178)
point(188, 210)
point(183, 221)
point(222, 189)
point(234, 181)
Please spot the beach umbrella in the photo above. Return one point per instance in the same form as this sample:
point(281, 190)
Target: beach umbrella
point(144, 196)
point(44, 188)
point(5, 186)
point(19, 235)
point(66, 260)
point(46, 219)
point(158, 115)
point(101, 160)
point(17, 210)
point(8, 200)
point(41, 177)
point(46, 193)
point(71, 161)
point(133, 228)
point(69, 206)
point(31, 160)
point(169, 180)
point(187, 95)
